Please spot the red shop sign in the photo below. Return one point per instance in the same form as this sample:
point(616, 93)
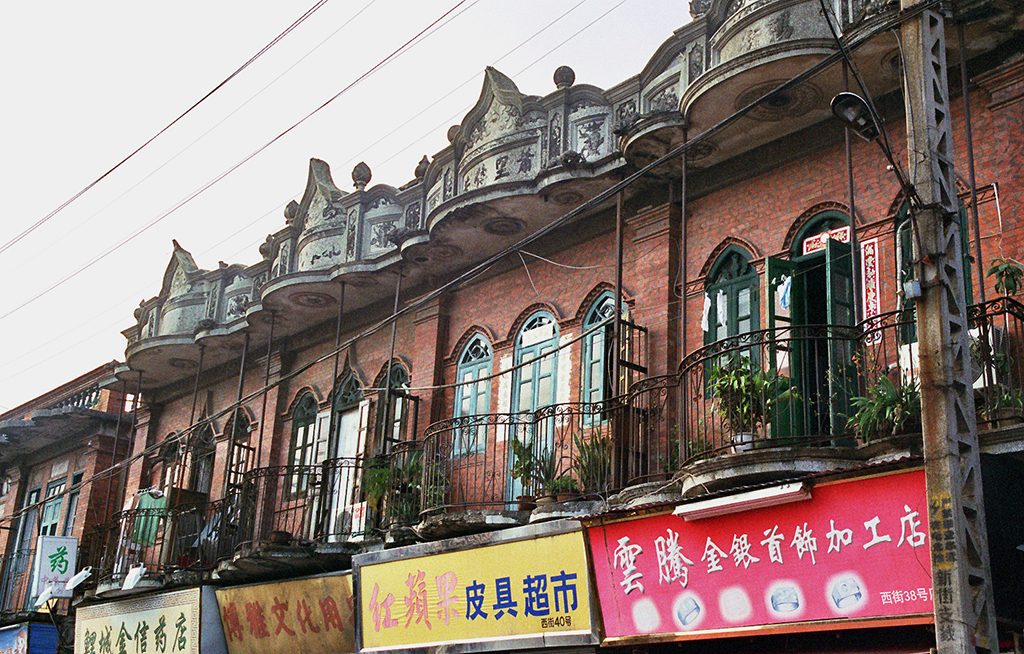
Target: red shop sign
point(856, 550)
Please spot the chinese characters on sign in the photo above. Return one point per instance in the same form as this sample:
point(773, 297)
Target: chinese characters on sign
point(313, 616)
point(159, 624)
point(857, 549)
point(872, 291)
point(54, 564)
point(523, 588)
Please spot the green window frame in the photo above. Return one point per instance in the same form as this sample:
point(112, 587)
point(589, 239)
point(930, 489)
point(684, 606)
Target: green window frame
point(734, 285)
point(49, 517)
point(473, 395)
point(306, 447)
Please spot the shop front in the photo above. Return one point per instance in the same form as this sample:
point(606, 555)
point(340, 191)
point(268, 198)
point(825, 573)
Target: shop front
point(784, 568)
point(28, 638)
point(311, 615)
point(518, 589)
point(183, 621)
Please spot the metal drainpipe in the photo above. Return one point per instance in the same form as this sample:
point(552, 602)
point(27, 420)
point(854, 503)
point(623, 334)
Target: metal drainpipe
point(234, 415)
point(192, 419)
point(391, 358)
point(123, 490)
point(969, 135)
point(117, 444)
point(331, 441)
point(852, 205)
point(683, 273)
point(617, 323)
point(266, 382)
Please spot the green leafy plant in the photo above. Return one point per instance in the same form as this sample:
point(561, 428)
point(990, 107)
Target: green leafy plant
point(887, 410)
point(545, 468)
point(746, 395)
point(593, 464)
point(562, 485)
point(524, 464)
point(376, 479)
point(1008, 274)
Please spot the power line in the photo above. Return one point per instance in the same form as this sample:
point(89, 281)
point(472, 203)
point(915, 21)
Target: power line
point(415, 115)
point(39, 223)
point(480, 268)
point(196, 193)
point(220, 122)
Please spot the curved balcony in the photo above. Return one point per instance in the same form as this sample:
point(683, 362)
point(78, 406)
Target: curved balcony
point(489, 471)
point(172, 547)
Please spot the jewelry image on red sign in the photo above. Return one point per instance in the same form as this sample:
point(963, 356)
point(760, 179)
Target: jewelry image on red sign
point(857, 549)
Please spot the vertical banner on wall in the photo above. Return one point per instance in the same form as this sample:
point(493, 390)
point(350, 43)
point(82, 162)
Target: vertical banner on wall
point(872, 293)
point(855, 550)
point(55, 564)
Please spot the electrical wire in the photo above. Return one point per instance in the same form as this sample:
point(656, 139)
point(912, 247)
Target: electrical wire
point(204, 187)
point(245, 103)
point(480, 268)
point(39, 223)
point(358, 155)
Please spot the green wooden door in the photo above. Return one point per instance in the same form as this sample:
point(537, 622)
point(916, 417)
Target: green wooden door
point(841, 380)
point(785, 293)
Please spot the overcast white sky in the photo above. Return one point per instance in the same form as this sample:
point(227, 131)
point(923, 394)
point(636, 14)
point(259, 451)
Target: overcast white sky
point(86, 83)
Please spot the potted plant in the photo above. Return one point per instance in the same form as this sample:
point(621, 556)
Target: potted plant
point(593, 464)
point(563, 488)
point(745, 398)
point(1004, 408)
point(887, 410)
point(376, 480)
point(523, 468)
point(544, 473)
point(1008, 274)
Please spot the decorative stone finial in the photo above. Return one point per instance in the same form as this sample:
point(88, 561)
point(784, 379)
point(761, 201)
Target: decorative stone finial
point(266, 245)
point(453, 132)
point(421, 167)
point(564, 77)
point(361, 175)
point(291, 212)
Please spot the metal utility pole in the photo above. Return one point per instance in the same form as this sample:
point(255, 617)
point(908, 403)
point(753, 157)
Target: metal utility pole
point(961, 577)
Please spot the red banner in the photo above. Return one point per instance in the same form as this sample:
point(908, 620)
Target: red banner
point(857, 549)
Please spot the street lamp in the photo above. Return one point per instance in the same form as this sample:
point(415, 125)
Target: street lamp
point(854, 112)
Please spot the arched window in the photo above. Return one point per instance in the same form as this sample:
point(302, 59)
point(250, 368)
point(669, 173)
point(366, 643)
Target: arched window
point(473, 394)
point(905, 268)
point(349, 423)
point(202, 451)
point(393, 420)
point(308, 446)
point(731, 296)
point(238, 432)
point(534, 384)
point(596, 357)
point(169, 456)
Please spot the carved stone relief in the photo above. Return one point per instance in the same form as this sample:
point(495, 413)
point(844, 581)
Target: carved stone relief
point(591, 138)
point(555, 139)
point(499, 119)
point(350, 234)
point(380, 203)
point(412, 216)
point(626, 114)
point(695, 66)
point(236, 306)
point(380, 233)
point(664, 100)
point(283, 260)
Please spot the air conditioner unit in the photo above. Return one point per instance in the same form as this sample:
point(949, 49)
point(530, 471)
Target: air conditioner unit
point(908, 359)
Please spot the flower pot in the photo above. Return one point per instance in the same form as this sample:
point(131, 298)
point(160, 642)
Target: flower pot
point(742, 442)
point(567, 496)
point(544, 500)
point(1004, 417)
point(527, 502)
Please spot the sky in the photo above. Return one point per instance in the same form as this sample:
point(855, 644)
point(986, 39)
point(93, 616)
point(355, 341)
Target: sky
point(87, 83)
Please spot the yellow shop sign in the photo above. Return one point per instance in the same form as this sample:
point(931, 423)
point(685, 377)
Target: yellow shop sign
point(313, 615)
point(530, 590)
point(167, 623)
